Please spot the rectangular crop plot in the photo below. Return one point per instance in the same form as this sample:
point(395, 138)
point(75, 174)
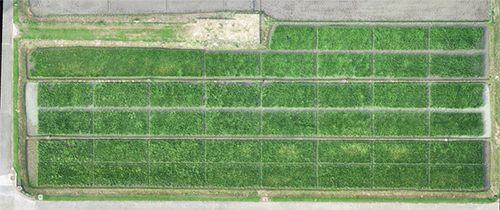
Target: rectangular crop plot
point(400, 152)
point(456, 124)
point(233, 95)
point(233, 176)
point(344, 38)
point(232, 123)
point(176, 175)
point(288, 176)
point(400, 124)
point(176, 123)
point(461, 66)
point(64, 174)
point(120, 95)
point(400, 95)
point(115, 62)
point(288, 151)
point(344, 124)
point(176, 151)
point(64, 122)
point(120, 151)
point(64, 94)
point(232, 64)
point(456, 152)
point(344, 95)
point(399, 177)
point(400, 38)
point(457, 177)
point(176, 94)
point(120, 174)
point(121, 122)
point(344, 65)
point(233, 151)
point(65, 151)
point(456, 38)
point(400, 66)
point(288, 124)
point(457, 95)
point(288, 65)
point(344, 151)
point(289, 95)
point(344, 176)
point(293, 38)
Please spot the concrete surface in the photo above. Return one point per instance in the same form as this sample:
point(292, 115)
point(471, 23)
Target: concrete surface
point(32, 109)
point(293, 10)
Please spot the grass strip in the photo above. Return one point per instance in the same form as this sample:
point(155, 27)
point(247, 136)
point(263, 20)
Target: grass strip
point(121, 175)
point(120, 95)
point(399, 177)
point(400, 66)
point(461, 66)
point(176, 94)
point(456, 124)
point(409, 124)
point(400, 152)
point(456, 152)
point(414, 38)
point(293, 38)
point(120, 122)
point(288, 176)
point(64, 174)
point(456, 38)
point(232, 123)
point(288, 124)
point(233, 95)
point(233, 176)
point(289, 95)
point(176, 151)
point(65, 151)
point(120, 151)
point(344, 151)
point(344, 65)
point(399, 95)
point(457, 95)
point(288, 151)
point(457, 177)
point(232, 151)
point(64, 122)
point(176, 175)
point(344, 124)
point(64, 95)
point(344, 95)
point(344, 38)
point(288, 65)
point(344, 177)
point(232, 64)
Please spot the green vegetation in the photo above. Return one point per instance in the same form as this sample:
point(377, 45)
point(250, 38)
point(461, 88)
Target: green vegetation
point(456, 152)
point(233, 151)
point(288, 65)
point(457, 95)
point(64, 174)
point(65, 151)
point(456, 124)
point(176, 95)
point(400, 95)
point(120, 151)
point(64, 94)
point(344, 124)
point(288, 176)
point(400, 152)
point(233, 95)
point(176, 123)
point(289, 95)
point(115, 62)
point(399, 177)
point(344, 65)
point(456, 38)
point(64, 122)
point(232, 64)
point(288, 124)
point(344, 95)
point(344, 151)
point(400, 66)
point(176, 151)
point(342, 176)
point(466, 66)
point(120, 95)
point(344, 38)
point(121, 122)
point(457, 177)
point(176, 175)
point(120, 174)
point(288, 151)
point(232, 123)
point(400, 38)
point(400, 124)
point(232, 176)
point(293, 38)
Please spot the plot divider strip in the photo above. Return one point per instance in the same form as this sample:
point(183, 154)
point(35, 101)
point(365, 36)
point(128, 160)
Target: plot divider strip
point(372, 178)
point(428, 165)
point(428, 108)
point(260, 163)
point(204, 162)
point(148, 164)
point(93, 157)
point(316, 165)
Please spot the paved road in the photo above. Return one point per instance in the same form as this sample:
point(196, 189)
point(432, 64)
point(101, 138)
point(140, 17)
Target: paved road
point(294, 10)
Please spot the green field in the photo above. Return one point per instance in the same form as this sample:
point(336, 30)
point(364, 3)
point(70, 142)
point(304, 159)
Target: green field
point(466, 66)
point(409, 124)
point(176, 95)
point(64, 122)
point(232, 64)
point(233, 95)
point(400, 38)
point(457, 95)
point(344, 95)
point(400, 95)
point(289, 95)
point(456, 124)
point(293, 38)
point(400, 66)
point(456, 38)
point(288, 65)
point(120, 95)
point(344, 38)
point(64, 94)
point(344, 65)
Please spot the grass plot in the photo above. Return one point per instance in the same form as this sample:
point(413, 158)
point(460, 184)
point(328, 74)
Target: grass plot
point(64, 94)
point(232, 64)
point(293, 38)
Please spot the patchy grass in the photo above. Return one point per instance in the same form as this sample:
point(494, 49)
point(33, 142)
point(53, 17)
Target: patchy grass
point(120, 122)
point(400, 65)
point(233, 151)
point(293, 38)
point(64, 122)
point(233, 95)
point(400, 38)
point(457, 95)
point(344, 65)
point(176, 94)
point(176, 123)
point(344, 177)
point(344, 38)
point(399, 177)
point(456, 38)
point(289, 95)
point(457, 177)
point(456, 124)
point(176, 151)
point(344, 95)
point(288, 124)
point(232, 64)
point(176, 175)
point(456, 152)
point(400, 95)
point(344, 151)
point(232, 123)
point(461, 66)
point(288, 151)
point(120, 151)
point(64, 94)
point(407, 124)
point(64, 174)
point(232, 176)
point(288, 65)
point(120, 95)
point(400, 152)
point(121, 175)
point(344, 124)
point(288, 176)
point(64, 151)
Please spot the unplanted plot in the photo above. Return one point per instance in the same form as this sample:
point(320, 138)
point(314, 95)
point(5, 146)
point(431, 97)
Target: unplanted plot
point(176, 123)
point(288, 176)
point(232, 176)
point(344, 124)
point(233, 151)
point(122, 175)
point(120, 95)
point(176, 151)
point(120, 122)
point(288, 151)
point(456, 38)
point(457, 95)
point(344, 65)
point(289, 95)
point(456, 124)
point(456, 152)
point(461, 66)
point(120, 151)
point(176, 175)
point(344, 95)
point(344, 177)
point(344, 38)
point(233, 95)
point(176, 94)
point(288, 65)
point(288, 124)
point(64, 122)
point(64, 95)
point(65, 151)
point(400, 95)
point(400, 65)
point(64, 174)
point(400, 124)
point(399, 177)
point(400, 152)
point(344, 151)
point(457, 177)
point(400, 38)
point(232, 64)
point(293, 38)
point(232, 123)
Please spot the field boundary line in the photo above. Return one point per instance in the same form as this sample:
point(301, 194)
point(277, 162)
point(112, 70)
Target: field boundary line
point(335, 80)
point(371, 164)
point(428, 165)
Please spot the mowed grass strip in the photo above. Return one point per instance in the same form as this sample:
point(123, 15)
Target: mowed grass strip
point(399, 95)
point(344, 95)
point(120, 122)
point(456, 152)
point(64, 174)
point(293, 38)
point(289, 95)
point(176, 175)
point(400, 152)
point(232, 123)
point(456, 177)
point(456, 38)
point(176, 94)
point(344, 124)
point(176, 123)
point(120, 151)
point(233, 95)
point(344, 65)
point(232, 64)
point(457, 66)
point(115, 62)
point(120, 95)
point(233, 151)
point(400, 66)
point(344, 38)
point(64, 151)
point(344, 151)
point(288, 123)
point(122, 175)
point(232, 176)
point(288, 176)
point(64, 94)
point(457, 95)
point(414, 38)
point(288, 65)
point(400, 177)
point(344, 176)
point(456, 124)
point(176, 151)
point(409, 124)
point(288, 151)
point(64, 122)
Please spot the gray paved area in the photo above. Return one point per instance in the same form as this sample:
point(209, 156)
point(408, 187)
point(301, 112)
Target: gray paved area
point(293, 10)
